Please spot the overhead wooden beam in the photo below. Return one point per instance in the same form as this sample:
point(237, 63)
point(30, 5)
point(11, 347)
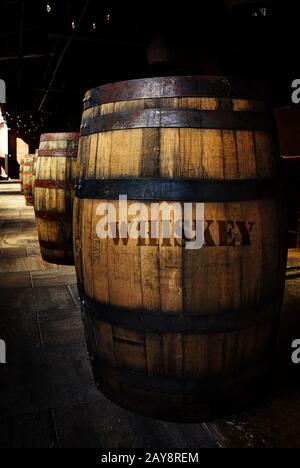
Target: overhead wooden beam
point(96, 40)
point(14, 32)
point(22, 17)
point(63, 53)
point(9, 3)
point(26, 57)
point(67, 91)
point(57, 43)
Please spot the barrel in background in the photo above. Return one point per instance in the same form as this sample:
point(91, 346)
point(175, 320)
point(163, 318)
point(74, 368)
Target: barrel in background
point(54, 195)
point(21, 176)
point(34, 170)
point(27, 179)
point(173, 333)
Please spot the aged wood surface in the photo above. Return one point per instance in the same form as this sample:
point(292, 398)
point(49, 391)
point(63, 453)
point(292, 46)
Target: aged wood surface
point(47, 395)
point(242, 264)
point(27, 179)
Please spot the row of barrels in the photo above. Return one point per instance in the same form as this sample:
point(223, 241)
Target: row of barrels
point(173, 333)
point(48, 183)
point(27, 174)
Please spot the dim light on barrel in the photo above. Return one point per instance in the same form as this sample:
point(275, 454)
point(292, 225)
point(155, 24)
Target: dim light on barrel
point(21, 176)
point(54, 195)
point(27, 179)
point(179, 334)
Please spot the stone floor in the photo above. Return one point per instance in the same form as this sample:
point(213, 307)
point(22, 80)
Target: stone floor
point(47, 395)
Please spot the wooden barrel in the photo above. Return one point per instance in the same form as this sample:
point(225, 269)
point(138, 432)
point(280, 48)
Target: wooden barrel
point(54, 195)
point(27, 179)
point(176, 331)
point(34, 170)
point(21, 176)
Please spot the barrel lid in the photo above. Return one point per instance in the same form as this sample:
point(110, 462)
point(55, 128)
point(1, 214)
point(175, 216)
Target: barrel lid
point(59, 136)
point(174, 87)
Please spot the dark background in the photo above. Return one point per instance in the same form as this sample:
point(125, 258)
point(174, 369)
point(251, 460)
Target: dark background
point(48, 65)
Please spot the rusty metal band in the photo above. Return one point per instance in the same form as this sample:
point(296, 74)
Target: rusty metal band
point(170, 118)
point(58, 153)
point(182, 190)
point(157, 322)
point(53, 216)
point(55, 184)
point(214, 389)
point(28, 164)
point(59, 136)
point(176, 87)
point(51, 245)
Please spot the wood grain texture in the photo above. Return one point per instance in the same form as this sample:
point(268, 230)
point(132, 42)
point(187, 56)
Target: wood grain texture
point(54, 198)
point(21, 176)
point(34, 170)
point(240, 267)
point(27, 179)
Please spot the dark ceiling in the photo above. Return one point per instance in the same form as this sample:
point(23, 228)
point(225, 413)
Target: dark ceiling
point(52, 51)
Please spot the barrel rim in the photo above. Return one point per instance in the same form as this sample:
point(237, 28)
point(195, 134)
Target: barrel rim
point(211, 388)
point(47, 215)
point(28, 156)
point(174, 118)
point(176, 86)
point(55, 184)
point(147, 321)
point(69, 136)
point(183, 190)
point(53, 153)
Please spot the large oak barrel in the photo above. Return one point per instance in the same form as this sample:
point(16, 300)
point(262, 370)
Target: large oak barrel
point(54, 195)
point(27, 179)
point(176, 332)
